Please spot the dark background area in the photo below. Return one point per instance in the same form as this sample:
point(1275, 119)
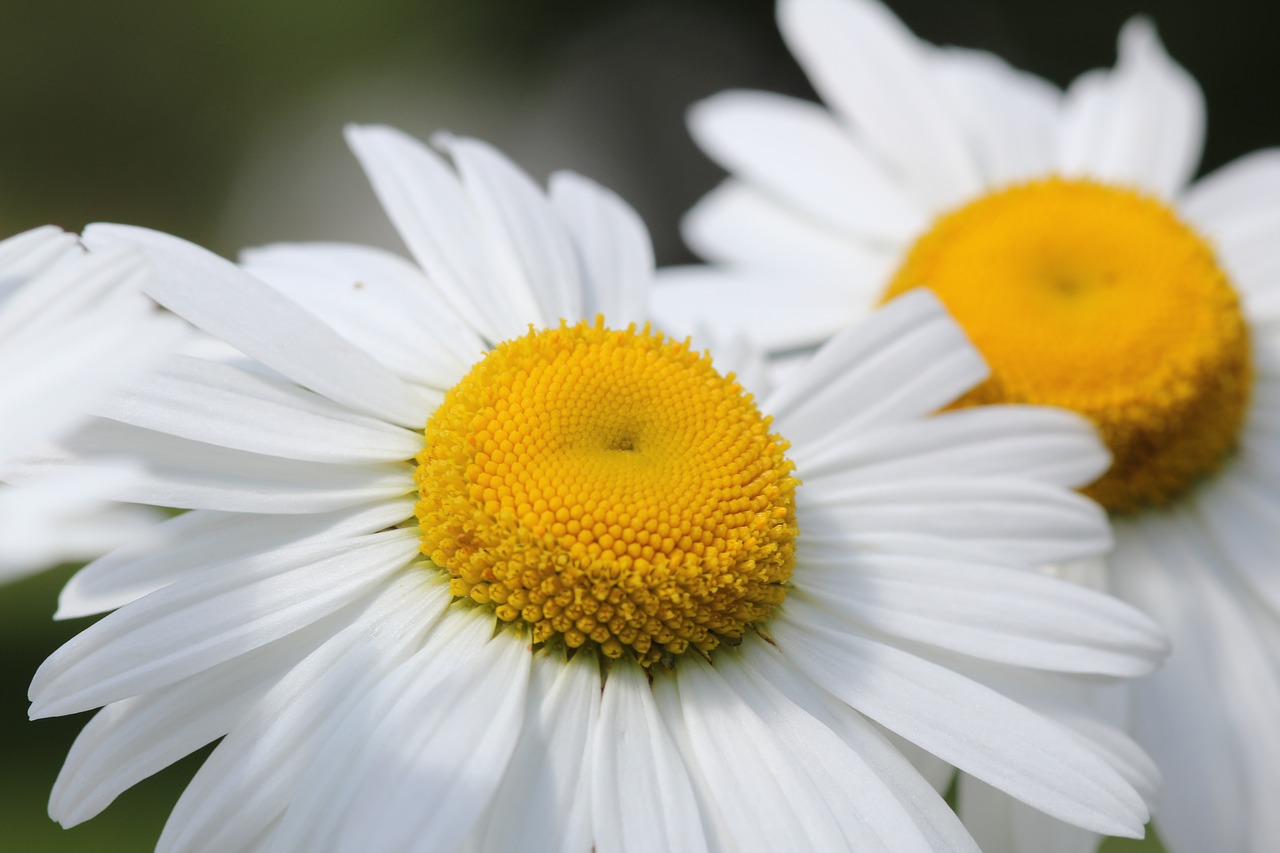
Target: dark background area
point(220, 121)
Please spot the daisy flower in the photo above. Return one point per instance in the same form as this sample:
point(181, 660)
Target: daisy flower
point(73, 328)
point(480, 560)
point(1061, 229)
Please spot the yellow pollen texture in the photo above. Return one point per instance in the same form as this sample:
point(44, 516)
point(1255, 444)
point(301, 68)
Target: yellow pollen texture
point(609, 488)
point(1099, 299)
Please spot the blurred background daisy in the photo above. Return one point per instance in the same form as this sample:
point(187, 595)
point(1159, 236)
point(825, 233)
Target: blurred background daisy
point(211, 121)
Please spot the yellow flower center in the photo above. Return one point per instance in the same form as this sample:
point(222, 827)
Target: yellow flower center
point(609, 487)
point(1098, 299)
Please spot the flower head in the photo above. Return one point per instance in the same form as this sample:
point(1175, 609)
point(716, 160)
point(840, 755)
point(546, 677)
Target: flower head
point(1062, 231)
point(478, 559)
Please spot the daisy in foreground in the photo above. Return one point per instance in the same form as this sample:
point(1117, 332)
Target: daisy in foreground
point(1060, 230)
point(480, 560)
point(73, 328)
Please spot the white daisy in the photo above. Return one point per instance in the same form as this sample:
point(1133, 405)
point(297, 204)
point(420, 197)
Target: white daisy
point(558, 621)
point(1063, 233)
point(73, 328)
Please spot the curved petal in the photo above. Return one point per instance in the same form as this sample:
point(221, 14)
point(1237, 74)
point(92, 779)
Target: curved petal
point(739, 226)
point(1141, 124)
point(195, 475)
point(1037, 442)
point(613, 247)
point(969, 725)
point(849, 48)
point(378, 301)
point(794, 152)
point(226, 302)
point(245, 785)
point(196, 541)
point(904, 361)
point(190, 626)
point(747, 304)
point(229, 407)
point(641, 797)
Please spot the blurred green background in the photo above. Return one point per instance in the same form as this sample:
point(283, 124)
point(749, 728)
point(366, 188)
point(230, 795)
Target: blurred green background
point(220, 121)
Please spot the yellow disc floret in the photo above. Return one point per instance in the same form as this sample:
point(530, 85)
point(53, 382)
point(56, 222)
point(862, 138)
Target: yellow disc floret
point(1098, 299)
point(609, 487)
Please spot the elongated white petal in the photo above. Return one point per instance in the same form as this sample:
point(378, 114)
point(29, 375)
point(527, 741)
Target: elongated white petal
point(1037, 442)
point(965, 723)
point(69, 337)
point(614, 251)
point(379, 301)
point(1206, 717)
point(229, 407)
point(196, 541)
point(420, 772)
point(794, 151)
point(270, 748)
point(990, 612)
point(1025, 520)
point(1142, 123)
point(739, 226)
point(641, 798)
point(1009, 117)
point(192, 625)
point(131, 739)
point(1001, 824)
point(195, 475)
point(872, 763)
point(424, 200)
point(543, 802)
point(849, 48)
point(903, 361)
point(685, 298)
point(1242, 191)
point(226, 302)
point(527, 246)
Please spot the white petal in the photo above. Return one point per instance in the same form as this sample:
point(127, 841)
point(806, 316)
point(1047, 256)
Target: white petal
point(614, 251)
point(195, 475)
point(738, 225)
point(417, 761)
point(70, 337)
point(379, 301)
point(1010, 117)
point(246, 783)
point(217, 296)
point(1036, 442)
point(1141, 124)
point(903, 361)
point(850, 48)
point(1208, 716)
point(127, 741)
point(424, 199)
point(986, 611)
point(1022, 519)
point(967, 724)
point(195, 541)
point(527, 245)
point(229, 407)
point(64, 516)
point(781, 777)
point(543, 802)
point(794, 152)
point(24, 255)
point(641, 798)
point(1240, 508)
point(1001, 824)
point(882, 764)
point(202, 621)
point(748, 304)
